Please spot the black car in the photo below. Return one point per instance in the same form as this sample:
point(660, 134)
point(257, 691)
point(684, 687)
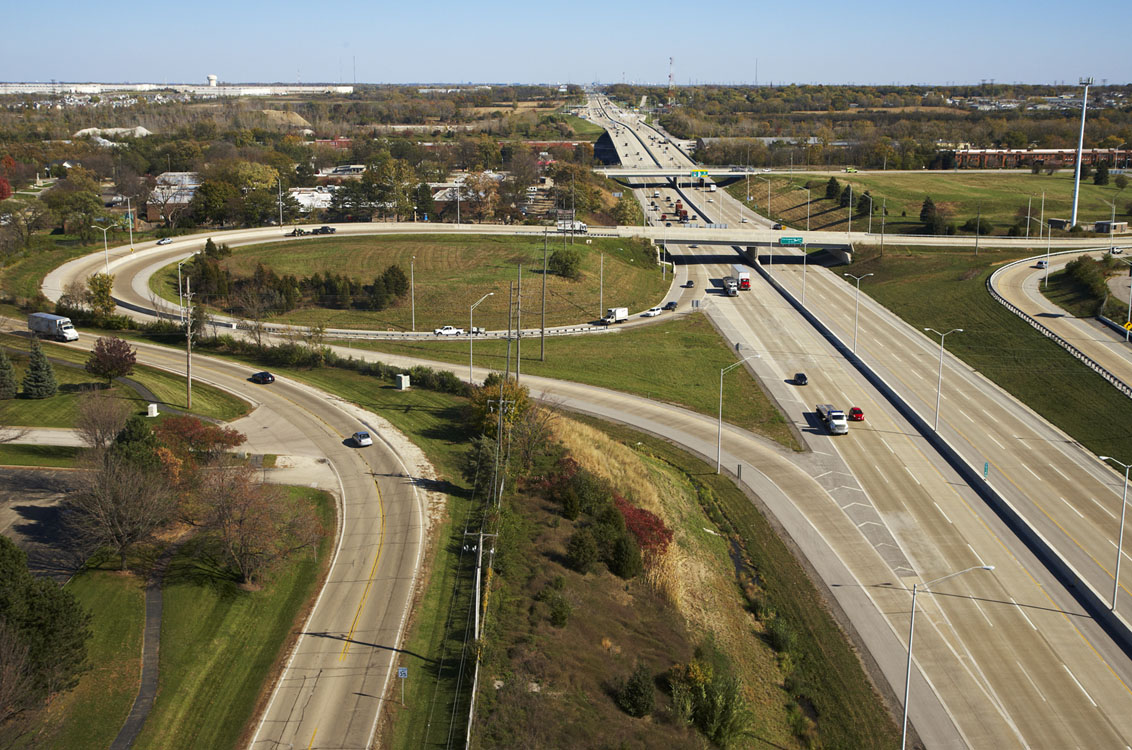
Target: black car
point(669, 305)
point(690, 283)
point(800, 378)
point(778, 226)
point(263, 378)
point(323, 230)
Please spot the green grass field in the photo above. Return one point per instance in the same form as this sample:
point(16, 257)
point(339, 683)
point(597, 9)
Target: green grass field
point(946, 289)
point(451, 273)
point(58, 456)
point(22, 276)
point(62, 409)
point(1001, 197)
point(220, 642)
point(89, 717)
point(677, 362)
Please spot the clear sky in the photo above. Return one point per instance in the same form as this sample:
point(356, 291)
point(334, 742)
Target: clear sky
point(819, 41)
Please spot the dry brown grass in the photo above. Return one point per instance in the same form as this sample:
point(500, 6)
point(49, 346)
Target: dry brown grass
point(695, 575)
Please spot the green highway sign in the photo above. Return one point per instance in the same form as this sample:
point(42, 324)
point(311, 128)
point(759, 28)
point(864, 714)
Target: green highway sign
point(699, 173)
point(789, 240)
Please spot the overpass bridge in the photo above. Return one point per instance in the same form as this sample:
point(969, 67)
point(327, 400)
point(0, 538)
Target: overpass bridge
point(663, 176)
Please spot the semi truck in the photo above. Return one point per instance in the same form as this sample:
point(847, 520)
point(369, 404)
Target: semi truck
point(833, 419)
point(742, 275)
point(52, 326)
point(577, 227)
point(615, 315)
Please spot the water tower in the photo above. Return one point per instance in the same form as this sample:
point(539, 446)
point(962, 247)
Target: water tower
point(212, 81)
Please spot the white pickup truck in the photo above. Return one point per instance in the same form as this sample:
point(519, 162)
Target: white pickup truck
point(449, 331)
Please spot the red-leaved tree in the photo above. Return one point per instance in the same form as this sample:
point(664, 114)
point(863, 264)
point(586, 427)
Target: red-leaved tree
point(5, 189)
point(196, 441)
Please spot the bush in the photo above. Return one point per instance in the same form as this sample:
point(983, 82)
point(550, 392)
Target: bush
point(637, 695)
point(625, 560)
point(560, 610)
point(781, 636)
point(567, 263)
point(982, 226)
point(581, 551)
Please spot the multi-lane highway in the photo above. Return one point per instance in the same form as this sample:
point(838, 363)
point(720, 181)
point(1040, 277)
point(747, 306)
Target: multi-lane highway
point(1015, 660)
point(1004, 658)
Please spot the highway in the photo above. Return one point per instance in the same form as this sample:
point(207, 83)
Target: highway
point(1007, 677)
point(1004, 658)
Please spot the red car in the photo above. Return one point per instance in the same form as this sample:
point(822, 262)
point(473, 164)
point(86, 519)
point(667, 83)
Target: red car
point(856, 415)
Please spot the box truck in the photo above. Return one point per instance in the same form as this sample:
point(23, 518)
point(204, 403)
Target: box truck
point(742, 274)
point(572, 226)
point(52, 326)
point(615, 315)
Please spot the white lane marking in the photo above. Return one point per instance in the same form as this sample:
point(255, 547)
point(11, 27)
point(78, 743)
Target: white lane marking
point(881, 473)
point(1059, 472)
point(1022, 612)
point(1032, 683)
point(1000, 445)
point(976, 554)
point(1022, 442)
point(1062, 499)
point(984, 411)
point(965, 416)
point(918, 375)
point(886, 445)
point(1027, 468)
point(912, 475)
point(1083, 690)
point(981, 612)
point(1106, 510)
point(941, 512)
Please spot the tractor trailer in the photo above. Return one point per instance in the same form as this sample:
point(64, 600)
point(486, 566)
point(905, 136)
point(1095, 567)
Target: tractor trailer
point(52, 326)
point(742, 275)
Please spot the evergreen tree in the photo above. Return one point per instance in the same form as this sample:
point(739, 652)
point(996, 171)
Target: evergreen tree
point(396, 282)
point(832, 189)
point(137, 443)
point(927, 211)
point(846, 196)
point(637, 695)
point(1101, 177)
point(7, 377)
point(39, 380)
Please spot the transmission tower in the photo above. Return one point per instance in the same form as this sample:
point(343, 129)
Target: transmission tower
point(671, 85)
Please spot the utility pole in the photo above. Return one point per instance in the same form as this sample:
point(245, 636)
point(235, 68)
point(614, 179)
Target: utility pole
point(542, 347)
point(413, 290)
point(978, 227)
point(130, 216)
point(510, 313)
point(279, 182)
point(518, 323)
point(601, 287)
point(189, 346)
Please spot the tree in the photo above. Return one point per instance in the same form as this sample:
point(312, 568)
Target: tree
point(256, 525)
point(39, 380)
point(927, 210)
point(1121, 181)
point(865, 204)
point(101, 288)
point(395, 281)
point(120, 503)
point(7, 377)
point(566, 262)
point(5, 189)
point(832, 189)
point(137, 443)
point(485, 403)
point(581, 551)
point(111, 358)
point(627, 211)
point(46, 621)
point(214, 202)
point(191, 438)
point(1101, 176)
point(101, 417)
point(637, 695)
point(846, 196)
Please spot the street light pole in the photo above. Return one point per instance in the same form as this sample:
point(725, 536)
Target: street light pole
point(1120, 536)
point(857, 308)
point(883, 214)
point(911, 635)
point(472, 332)
point(866, 195)
point(413, 291)
point(719, 432)
point(939, 381)
point(849, 231)
point(805, 255)
point(1086, 82)
point(105, 251)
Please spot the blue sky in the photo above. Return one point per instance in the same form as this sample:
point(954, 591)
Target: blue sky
point(493, 41)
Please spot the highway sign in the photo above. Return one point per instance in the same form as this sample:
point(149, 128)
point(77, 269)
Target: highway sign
point(1128, 326)
point(784, 241)
point(402, 672)
point(986, 469)
point(699, 173)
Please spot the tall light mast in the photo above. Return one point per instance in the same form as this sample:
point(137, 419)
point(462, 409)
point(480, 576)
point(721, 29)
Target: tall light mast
point(1086, 82)
point(671, 85)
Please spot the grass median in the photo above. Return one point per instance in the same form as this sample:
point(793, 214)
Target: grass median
point(946, 289)
point(677, 361)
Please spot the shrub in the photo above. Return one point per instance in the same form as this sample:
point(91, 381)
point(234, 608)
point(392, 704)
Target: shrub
point(651, 534)
point(560, 610)
point(566, 263)
point(625, 560)
point(637, 695)
point(581, 551)
point(781, 635)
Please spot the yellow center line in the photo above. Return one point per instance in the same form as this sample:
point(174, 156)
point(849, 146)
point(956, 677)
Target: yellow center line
point(372, 574)
point(309, 746)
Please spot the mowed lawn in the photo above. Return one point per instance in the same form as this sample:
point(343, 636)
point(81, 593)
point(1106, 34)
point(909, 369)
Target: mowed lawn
point(219, 642)
point(946, 289)
point(677, 361)
point(1000, 196)
point(89, 717)
point(62, 409)
point(451, 272)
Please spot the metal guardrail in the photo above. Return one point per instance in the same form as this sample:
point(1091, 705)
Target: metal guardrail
point(1098, 368)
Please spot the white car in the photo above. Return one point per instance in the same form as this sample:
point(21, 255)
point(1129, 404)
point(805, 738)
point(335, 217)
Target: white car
point(165, 241)
point(449, 331)
point(362, 439)
point(652, 312)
